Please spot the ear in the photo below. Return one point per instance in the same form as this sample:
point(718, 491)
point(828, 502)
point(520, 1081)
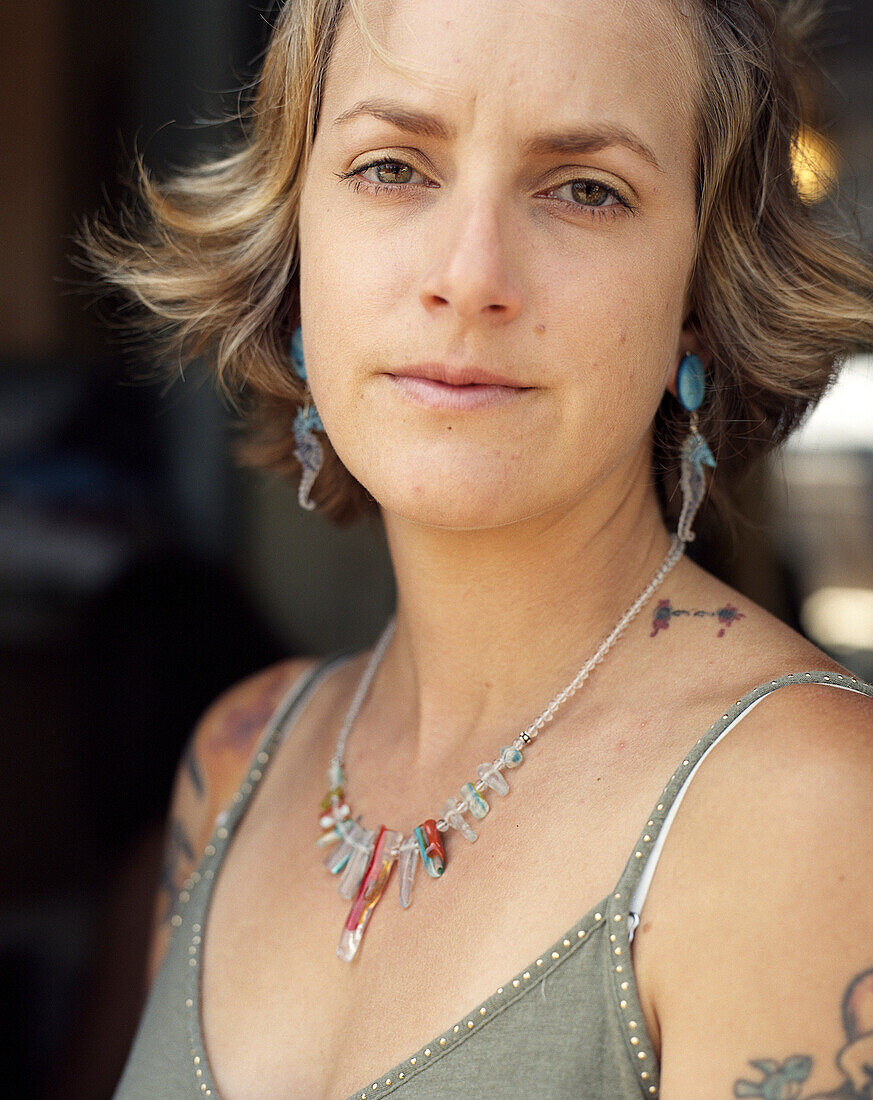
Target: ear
point(689, 341)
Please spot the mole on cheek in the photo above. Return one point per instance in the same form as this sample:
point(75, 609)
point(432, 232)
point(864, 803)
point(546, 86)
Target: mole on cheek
point(539, 328)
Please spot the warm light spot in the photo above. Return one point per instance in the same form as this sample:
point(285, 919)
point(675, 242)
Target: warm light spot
point(814, 160)
point(839, 617)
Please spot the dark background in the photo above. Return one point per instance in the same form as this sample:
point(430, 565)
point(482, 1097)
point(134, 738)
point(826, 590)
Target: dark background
point(141, 573)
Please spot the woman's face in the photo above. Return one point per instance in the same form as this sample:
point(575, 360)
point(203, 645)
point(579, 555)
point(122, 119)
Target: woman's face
point(533, 219)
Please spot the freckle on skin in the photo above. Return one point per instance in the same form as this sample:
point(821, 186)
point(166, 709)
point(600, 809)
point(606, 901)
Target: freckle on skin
point(539, 328)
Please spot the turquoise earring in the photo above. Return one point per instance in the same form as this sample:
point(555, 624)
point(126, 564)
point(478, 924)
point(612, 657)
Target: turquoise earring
point(309, 452)
point(690, 391)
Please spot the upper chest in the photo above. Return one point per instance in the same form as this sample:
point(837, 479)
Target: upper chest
point(279, 1006)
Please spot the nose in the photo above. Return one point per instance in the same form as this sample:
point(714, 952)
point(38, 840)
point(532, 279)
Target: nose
point(470, 274)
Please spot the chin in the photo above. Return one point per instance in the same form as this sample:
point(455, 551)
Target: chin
point(457, 504)
point(454, 483)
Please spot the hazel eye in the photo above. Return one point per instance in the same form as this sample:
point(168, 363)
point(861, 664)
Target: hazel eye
point(391, 171)
point(592, 193)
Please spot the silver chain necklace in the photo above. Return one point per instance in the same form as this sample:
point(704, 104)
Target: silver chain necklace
point(364, 858)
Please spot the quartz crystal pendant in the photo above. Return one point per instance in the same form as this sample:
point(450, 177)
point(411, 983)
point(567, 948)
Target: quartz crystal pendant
point(430, 845)
point(491, 777)
point(373, 884)
point(456, 820)
point(478, 806)
point(337, 859)
point(330, 837)
point(510, 756)
point(363, 844)
point(407, 862)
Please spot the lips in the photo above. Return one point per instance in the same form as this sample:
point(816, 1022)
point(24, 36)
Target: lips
point(456, 376)
point(455, 389)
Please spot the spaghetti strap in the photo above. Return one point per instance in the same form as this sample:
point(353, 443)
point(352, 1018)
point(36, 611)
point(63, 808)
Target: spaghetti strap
point(641, 867)
point(281, 721)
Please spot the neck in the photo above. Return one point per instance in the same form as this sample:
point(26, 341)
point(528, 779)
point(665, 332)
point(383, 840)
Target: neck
point(492, 623)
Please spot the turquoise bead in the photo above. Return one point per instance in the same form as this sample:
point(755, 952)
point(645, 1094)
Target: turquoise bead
point(478, 806)
point(296, 353)
point(691, 383)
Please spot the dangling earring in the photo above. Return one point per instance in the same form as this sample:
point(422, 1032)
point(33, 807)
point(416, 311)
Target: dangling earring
point(309, 453)
point(690, 390)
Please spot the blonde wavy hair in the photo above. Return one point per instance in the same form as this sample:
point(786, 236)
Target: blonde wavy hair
point(779, 299)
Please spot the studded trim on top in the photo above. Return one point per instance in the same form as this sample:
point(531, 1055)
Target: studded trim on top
point(626, 995)
point(213, 853)
point(580, 935)
point(608, 918)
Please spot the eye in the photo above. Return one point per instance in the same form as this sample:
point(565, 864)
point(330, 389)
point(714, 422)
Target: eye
point(384, 175)
point(593, 196)
point(592, 193)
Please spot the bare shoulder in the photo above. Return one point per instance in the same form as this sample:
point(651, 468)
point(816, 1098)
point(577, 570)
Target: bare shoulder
point(210, 771)
point(224, 740)
point(763, 900)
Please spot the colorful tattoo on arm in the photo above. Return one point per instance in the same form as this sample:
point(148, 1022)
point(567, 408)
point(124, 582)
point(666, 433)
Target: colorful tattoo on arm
point(665, 612)
point(781, 1080)
point(784, 1080)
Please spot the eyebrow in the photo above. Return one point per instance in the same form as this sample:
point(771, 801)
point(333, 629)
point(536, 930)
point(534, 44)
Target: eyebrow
point(576, 141)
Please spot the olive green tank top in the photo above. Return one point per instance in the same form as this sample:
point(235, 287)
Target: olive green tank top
point(569, 1026)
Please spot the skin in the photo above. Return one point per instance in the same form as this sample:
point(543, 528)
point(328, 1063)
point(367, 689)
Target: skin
point(519, 534)
point(477, 259)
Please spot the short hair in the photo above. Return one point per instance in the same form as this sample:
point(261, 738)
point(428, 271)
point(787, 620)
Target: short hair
point(778, 297)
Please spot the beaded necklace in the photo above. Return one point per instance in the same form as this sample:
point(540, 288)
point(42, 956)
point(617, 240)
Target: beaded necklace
point(365, 858)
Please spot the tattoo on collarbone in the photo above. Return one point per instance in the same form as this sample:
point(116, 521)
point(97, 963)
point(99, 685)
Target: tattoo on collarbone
point(665, 612)
point(784, 1080)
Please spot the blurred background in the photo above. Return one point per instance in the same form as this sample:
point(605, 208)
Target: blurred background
point(141, 573)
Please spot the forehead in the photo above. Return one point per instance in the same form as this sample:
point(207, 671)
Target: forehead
point(515, 64)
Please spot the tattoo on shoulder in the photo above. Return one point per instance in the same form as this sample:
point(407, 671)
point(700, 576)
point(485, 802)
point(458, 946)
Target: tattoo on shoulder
point(193, 769)
point(178, 852)
point(665, 613)
point(784, 1080)
point(242, 723)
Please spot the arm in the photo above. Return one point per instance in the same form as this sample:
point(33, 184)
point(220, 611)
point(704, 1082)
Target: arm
point(211, 769)
point(764, 922)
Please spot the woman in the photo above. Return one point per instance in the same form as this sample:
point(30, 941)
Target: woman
point(527, 245)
